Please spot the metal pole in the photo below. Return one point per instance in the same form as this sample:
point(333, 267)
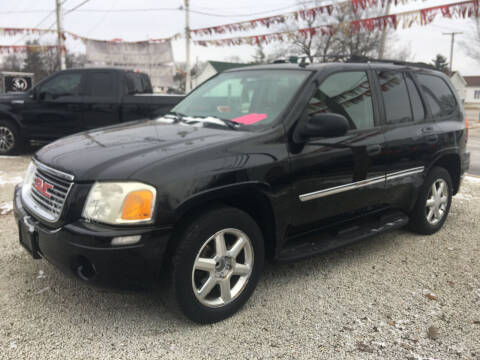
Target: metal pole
point(452, 43)
point(60, 49)
point(383, 37)
point(187, 47)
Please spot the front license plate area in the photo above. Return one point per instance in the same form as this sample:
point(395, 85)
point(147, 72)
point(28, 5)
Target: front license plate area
point(28, 239)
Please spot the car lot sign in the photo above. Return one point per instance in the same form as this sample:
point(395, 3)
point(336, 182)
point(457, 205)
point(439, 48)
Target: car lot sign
point(15, 82)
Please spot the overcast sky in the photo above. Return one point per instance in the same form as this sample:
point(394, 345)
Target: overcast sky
point(424, 42)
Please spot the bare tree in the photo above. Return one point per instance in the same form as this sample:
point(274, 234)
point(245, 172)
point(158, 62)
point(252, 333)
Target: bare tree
point(341, 43)
point(472, 47)
point(347, 41)
point(12, 62)
point(311, 46)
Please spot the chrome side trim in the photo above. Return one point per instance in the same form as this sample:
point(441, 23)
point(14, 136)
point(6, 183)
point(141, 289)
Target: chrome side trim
point(407, 172)
point(56, 172)
point(341, 188)
point(360, 184)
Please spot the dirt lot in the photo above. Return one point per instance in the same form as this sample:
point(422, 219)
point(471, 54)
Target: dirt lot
point(395, 296)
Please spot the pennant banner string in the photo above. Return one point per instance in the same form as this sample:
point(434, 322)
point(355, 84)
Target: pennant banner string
point(27, 31)
point(303, 14)
point(405, 19)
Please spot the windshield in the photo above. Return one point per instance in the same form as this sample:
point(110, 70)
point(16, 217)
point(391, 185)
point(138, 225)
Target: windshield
point(253, 98)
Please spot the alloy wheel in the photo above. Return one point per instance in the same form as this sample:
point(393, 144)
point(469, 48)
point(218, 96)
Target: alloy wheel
point(437, 202)
point(7, 139)
point(222, 268)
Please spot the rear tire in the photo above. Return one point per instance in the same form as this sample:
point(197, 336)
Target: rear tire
point(433, 203)
point(217, 264)
point(11, 140)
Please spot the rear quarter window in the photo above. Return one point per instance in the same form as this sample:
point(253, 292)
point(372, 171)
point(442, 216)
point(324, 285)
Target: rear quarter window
point(438, 95)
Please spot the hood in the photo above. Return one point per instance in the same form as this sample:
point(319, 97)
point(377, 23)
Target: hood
point(122, 151)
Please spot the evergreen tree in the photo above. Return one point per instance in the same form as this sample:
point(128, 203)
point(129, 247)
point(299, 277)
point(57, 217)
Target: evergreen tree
point(441, 63)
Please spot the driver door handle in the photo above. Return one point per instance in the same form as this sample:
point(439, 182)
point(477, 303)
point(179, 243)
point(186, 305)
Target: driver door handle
point(374, 149)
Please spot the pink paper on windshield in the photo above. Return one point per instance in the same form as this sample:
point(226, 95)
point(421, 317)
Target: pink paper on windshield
point(250, 118)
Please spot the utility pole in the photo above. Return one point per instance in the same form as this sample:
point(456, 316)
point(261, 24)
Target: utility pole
point(187, 47)
point(452, 43)
point(383, 37)
point(60, 49)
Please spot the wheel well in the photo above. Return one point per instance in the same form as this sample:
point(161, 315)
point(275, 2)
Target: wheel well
point(259, 208)
point(451, 163)
point(254, 203)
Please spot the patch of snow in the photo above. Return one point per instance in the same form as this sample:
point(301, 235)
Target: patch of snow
point(462, 196)
point(419, 357)
point(41, 274)
point(13, 345)
point(12, 180)
point(6, 208)
point(472, 179)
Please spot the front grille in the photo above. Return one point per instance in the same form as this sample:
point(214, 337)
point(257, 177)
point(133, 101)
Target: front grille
point(48, 192)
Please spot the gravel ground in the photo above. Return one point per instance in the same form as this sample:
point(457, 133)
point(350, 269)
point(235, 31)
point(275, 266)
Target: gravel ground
point(394, 296)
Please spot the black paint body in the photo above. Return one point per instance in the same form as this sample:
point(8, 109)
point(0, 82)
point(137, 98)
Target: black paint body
point(44, 120)
point(262, 172)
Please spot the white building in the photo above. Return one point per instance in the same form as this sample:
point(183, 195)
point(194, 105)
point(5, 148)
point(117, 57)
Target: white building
point(473, 89)
point(468, 88)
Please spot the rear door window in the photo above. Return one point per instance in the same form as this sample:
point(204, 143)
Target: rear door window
point(346, 93)
point(438, 95)
point(415, 100)
point(395, 97)
point(102, 84)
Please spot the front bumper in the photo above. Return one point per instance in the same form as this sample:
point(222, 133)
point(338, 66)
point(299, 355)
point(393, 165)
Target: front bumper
point(84, 250)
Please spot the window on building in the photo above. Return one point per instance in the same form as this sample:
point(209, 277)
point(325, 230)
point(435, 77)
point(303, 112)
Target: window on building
point(476, 95)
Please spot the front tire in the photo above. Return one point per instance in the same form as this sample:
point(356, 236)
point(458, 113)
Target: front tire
point(10, 138)
point(217, 264)
point(433, 203)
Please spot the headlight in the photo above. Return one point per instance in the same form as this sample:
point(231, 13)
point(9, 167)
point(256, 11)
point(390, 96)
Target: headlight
point(28, 179)
point(120, 203)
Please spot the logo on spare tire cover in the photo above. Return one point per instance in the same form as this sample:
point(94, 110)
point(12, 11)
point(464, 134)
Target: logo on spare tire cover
point(19, 84)
point(42, 187)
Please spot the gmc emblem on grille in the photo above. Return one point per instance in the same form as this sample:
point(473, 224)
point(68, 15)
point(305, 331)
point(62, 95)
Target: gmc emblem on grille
point(42, 187)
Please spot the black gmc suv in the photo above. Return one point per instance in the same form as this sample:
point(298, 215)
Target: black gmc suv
point(76, 100)
point(273, 162)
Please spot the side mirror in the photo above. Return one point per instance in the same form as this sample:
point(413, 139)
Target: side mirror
point(325, 125)
point(34, 93)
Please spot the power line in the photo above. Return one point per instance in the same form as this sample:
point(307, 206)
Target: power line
point(36, 26)
point(201, 12)
point(76, 7)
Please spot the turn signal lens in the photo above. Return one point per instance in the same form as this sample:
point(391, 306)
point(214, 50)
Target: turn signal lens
point(138, 205)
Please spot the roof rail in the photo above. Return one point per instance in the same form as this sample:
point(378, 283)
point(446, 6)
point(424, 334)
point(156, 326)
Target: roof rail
point(366, 59)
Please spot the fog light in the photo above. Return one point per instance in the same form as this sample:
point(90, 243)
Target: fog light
point(126, 240)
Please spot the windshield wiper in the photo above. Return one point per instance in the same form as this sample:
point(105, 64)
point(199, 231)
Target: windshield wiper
point(214, 120)
point(178, 116)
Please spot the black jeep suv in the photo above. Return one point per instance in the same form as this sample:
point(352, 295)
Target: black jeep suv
point(278, 161)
